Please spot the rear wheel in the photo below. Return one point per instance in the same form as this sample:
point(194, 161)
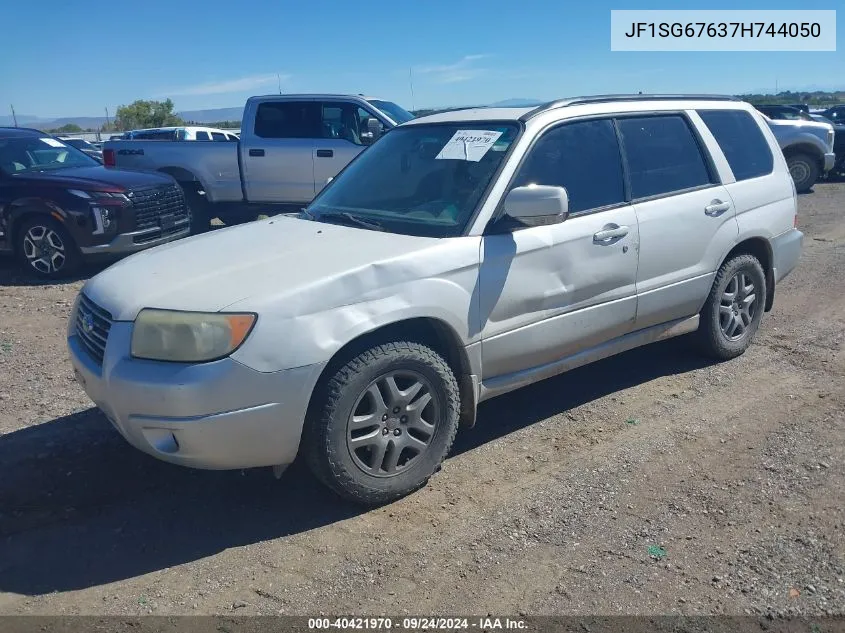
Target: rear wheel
point(734, 308)
point(44, 248)
point(385, 421)
point(804, 170)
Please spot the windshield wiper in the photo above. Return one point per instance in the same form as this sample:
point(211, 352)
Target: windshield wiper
point(354, 219)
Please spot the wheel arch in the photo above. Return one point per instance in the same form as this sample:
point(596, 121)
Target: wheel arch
point(183, 176)
point(760, 248)
point(430, 331)
point(805, 147)
point(21, 211)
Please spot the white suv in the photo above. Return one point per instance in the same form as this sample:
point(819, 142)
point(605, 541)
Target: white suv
point(463, 255)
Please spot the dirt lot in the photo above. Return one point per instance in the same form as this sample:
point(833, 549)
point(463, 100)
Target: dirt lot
point(733, 474)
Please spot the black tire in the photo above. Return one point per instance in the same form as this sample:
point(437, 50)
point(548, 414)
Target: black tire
point(59, 259)
point(804, 170)
point(327, 436)
point(719, 313)
point(198, 210)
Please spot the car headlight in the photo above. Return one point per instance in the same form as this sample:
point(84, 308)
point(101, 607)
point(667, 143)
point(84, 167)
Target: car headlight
point(189, 337)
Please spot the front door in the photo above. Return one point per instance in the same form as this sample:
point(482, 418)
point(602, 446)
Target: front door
point(552, 291)
point(341, 140)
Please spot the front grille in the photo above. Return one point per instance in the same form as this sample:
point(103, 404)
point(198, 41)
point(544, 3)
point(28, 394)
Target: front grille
point(92, 326)
point(159, 207)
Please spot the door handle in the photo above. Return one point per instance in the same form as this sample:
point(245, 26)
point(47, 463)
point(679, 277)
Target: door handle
point(325, 153)
point(716, 207)
point(610, 233)
point(256, 152)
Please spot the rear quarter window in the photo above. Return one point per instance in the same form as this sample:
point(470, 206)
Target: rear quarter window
point(742, 142)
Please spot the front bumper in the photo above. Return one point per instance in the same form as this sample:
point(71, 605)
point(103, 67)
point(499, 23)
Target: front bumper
point(219, 415)
point(137, 240)
point(829, 161)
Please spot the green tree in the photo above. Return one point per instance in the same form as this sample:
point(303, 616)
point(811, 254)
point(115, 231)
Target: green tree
point(69, 128)
point(144, 114)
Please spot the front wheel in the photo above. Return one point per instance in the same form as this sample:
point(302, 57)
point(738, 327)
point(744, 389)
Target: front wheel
point(44, 248)
point(385, 421)
point(198, 210)
point(734, 308)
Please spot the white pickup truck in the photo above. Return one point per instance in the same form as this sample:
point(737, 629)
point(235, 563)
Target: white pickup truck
point(290, 147)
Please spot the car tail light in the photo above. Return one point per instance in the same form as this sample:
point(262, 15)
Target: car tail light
point(108, 158)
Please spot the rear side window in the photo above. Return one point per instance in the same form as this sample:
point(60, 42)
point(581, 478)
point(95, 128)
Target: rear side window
point(663, 155)
point(288, 119)
point(742, 142)
point(218, 136)
point(582, 157)
point(202, 136)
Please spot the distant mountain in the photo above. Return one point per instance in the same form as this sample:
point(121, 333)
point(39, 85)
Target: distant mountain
point(213, 115)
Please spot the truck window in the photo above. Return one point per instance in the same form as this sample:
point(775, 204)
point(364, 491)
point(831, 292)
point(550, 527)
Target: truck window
point(218, 136)
point(288, 119)
point(339, 121)
point(202, 136)
point(742, 142)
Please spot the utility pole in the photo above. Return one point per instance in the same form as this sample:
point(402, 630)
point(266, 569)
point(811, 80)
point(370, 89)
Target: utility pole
point(14, 116)
point(108, 124)
point(411, 82)
point(279, 79)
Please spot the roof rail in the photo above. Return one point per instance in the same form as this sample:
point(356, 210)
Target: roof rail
point(562, 103)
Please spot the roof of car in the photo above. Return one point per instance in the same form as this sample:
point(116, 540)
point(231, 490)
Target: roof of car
point(523, 114)
point(16, 132)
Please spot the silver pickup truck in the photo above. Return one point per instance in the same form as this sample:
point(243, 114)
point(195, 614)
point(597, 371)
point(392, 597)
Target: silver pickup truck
point(290, 147)
point(807, 147)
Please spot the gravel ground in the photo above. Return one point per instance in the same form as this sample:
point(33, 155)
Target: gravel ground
point(649, 483)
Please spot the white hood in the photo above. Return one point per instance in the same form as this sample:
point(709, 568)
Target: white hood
point(212, 271)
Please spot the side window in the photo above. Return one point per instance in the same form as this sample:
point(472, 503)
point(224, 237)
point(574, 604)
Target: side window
point(202, 136)
point(218, 136)
point(339, 121)
point(582, 157)
point(663, 155)
point(742, 142)
point(287, 119)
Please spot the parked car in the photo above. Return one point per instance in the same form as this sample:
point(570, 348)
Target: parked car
point(181, 133)
point(289, 147)
point(59, 206)
point(84, 146)
point(462, 256)
point(835, 114)
point(784, 113)
point(808, 147)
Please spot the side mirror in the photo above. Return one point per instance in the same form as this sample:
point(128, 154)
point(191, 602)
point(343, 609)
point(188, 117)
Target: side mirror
point(537, 205)
point(373, 131)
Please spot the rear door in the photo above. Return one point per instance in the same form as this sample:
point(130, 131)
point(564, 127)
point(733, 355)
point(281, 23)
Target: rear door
point(686, 217)
point(277, 153)
point(341, 139)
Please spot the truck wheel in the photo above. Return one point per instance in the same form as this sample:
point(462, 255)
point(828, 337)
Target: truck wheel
point(734, 308)
point(804, 170)
point(44, 248)
point(197, 209)
point(384, 422)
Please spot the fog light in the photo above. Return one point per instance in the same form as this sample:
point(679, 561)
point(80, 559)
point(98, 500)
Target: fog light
point(102, 220)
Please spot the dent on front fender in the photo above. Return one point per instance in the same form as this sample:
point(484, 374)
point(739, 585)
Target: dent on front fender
point(310, 325)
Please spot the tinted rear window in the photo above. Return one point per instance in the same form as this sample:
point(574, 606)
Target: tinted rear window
point(742, 142)
point(663, 155)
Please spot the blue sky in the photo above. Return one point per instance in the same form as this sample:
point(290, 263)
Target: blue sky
point(75, 58)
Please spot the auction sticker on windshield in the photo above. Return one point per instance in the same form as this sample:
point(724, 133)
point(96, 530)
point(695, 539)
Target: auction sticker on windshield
point(469, 145)
point(52, 142)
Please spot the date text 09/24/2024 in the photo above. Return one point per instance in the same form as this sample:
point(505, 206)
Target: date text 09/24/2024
point(417, 623)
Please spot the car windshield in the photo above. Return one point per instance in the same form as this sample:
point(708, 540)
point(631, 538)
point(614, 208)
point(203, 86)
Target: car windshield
point(395, 112)
point(33, 153)
point(78, 143)
point(419, 180)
